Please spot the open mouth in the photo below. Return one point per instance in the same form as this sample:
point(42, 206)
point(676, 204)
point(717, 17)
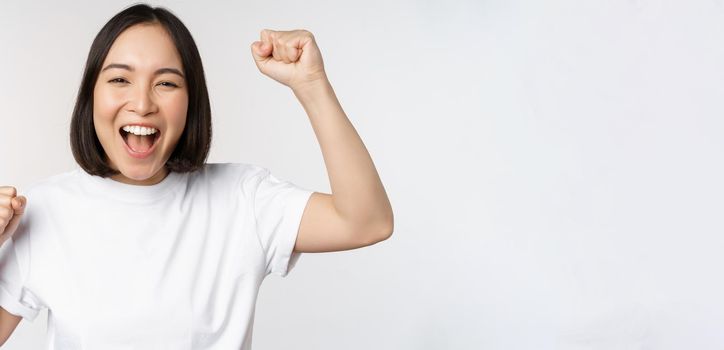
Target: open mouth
point(140, 141)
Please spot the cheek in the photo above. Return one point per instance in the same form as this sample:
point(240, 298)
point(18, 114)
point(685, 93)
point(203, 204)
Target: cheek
point(176, 110)
point(105, 105)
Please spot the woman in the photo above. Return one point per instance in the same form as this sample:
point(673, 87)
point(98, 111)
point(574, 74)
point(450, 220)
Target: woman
point(146, 246)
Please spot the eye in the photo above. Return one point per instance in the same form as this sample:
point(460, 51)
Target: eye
point(167, 84)
point(118, 80)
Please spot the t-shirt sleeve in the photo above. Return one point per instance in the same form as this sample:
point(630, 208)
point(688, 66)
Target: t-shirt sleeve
point(278, 209)
point(15, 297)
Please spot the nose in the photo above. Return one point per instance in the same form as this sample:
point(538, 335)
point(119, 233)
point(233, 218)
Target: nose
point(142, 101)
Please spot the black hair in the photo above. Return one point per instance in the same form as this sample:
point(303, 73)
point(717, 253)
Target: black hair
point(193, 146)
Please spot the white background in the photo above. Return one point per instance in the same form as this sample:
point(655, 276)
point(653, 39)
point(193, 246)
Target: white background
point(555, 167)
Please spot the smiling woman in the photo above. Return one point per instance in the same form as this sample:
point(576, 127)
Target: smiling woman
point(146, 246)
point(142, 91)
point(143, 69)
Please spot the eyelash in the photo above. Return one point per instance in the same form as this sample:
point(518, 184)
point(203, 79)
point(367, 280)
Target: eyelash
point(121, 80)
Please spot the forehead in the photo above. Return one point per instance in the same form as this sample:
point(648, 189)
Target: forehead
point(144, 46)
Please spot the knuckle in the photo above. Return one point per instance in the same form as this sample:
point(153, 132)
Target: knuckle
point(9, 190)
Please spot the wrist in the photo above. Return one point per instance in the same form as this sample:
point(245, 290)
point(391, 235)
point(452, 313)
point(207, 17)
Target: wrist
point(312, 87)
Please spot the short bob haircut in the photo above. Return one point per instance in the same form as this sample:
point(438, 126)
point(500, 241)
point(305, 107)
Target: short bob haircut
point(193, 146)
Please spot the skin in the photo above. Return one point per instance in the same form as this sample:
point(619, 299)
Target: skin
point(122, 96)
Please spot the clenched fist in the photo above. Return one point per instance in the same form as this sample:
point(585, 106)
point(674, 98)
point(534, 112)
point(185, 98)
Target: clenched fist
point(12, 208)
point(289, 57)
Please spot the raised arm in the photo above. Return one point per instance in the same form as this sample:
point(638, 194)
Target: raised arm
point(357, 213)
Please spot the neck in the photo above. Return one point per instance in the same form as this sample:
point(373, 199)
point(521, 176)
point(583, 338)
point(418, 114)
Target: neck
point(155, 179)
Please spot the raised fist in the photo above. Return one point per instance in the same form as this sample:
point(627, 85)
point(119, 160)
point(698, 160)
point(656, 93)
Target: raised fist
point(289, 57)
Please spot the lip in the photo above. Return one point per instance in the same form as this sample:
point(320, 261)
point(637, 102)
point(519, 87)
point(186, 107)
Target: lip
point(140, 155)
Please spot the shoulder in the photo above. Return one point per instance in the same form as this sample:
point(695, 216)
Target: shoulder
point(237, 172)
point(228, 178)
point(54, 185)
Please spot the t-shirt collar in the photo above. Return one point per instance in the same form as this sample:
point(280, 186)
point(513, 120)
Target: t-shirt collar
point(108, 187)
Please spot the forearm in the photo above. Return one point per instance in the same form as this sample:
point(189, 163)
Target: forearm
point(357, 191)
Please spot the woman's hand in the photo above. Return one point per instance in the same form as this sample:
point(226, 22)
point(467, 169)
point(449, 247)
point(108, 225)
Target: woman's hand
point(289, 57)
point(12, 208)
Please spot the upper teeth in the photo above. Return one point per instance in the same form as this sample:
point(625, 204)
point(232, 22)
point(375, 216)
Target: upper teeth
point(139, 130)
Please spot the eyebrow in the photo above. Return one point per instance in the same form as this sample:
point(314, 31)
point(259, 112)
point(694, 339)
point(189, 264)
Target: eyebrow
point(157, 72)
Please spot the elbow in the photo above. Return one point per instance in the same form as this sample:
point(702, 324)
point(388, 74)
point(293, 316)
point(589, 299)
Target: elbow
point(375, 231)
point(385, 229)
point(390, 225)
point(388, 229)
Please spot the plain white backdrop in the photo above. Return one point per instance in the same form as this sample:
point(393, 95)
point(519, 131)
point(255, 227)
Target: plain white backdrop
point(555, 167)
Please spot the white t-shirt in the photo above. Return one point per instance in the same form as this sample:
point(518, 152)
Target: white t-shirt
point(176, 265)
